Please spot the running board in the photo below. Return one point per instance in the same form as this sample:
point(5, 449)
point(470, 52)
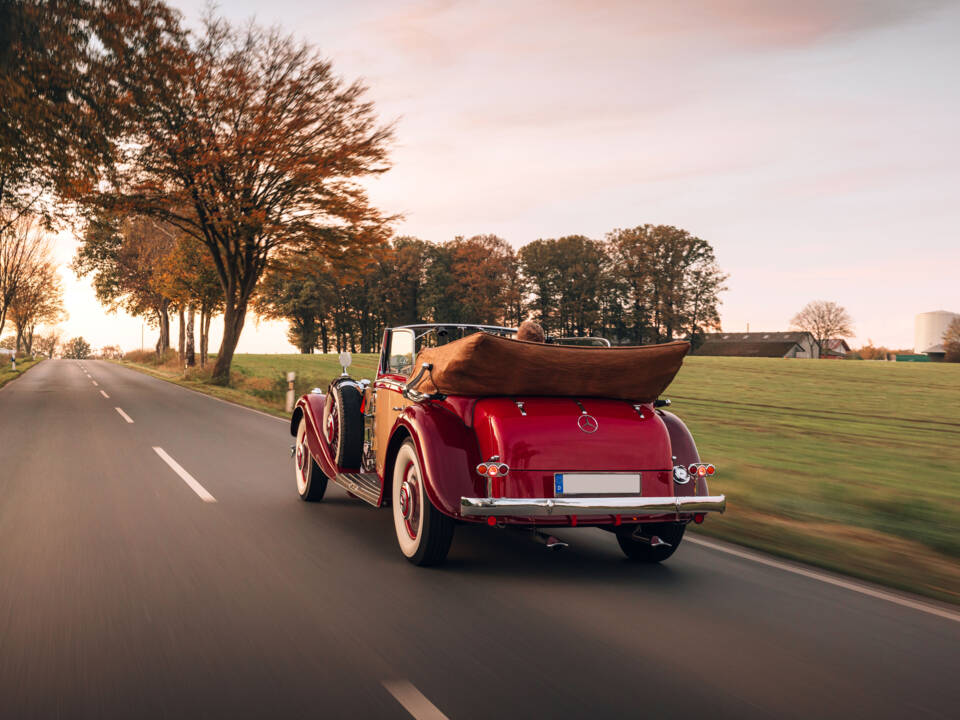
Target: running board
point(365, 486)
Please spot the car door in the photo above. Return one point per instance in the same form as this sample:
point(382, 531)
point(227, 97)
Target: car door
point(395, 368)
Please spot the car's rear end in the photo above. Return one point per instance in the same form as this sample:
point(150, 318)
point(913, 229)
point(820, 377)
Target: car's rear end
point(559, 461)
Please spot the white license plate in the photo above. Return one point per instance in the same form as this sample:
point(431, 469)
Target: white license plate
point(596, 483)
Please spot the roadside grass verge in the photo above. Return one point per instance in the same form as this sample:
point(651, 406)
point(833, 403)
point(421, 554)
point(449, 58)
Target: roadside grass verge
point(6, 374)
point(256, 381)
point(850, 466)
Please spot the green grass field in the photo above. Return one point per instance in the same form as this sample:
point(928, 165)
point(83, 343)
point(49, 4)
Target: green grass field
point(853, 466)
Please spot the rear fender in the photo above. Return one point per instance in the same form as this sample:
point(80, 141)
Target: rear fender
point(684, 449)
point(448, 454)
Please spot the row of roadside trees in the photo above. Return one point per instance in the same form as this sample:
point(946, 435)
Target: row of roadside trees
point(638, 285)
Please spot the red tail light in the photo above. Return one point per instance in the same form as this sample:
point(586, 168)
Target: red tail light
point(698, 518)
point(711, 469)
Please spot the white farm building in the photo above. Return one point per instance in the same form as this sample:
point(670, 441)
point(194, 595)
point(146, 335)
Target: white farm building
point(928, 330)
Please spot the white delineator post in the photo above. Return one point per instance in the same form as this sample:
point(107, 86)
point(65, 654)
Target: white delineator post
point(291, 376)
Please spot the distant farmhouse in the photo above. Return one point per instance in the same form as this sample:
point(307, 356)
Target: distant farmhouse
point(767, 344)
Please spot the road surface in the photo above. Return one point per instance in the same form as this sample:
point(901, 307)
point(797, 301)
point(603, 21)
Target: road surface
point(190, 581)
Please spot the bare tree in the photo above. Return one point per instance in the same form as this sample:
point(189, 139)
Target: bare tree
point(39, 301)
point(23, 248)
point(825, 320)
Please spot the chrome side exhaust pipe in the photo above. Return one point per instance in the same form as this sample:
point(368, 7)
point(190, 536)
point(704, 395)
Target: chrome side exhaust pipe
point(651, 540)
point(549, 541)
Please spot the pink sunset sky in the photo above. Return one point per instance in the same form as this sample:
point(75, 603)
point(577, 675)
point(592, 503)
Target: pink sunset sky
point(814, 144)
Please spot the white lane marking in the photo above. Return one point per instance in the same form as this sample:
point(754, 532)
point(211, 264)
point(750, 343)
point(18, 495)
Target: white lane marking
point(95, 384)
point(185, 476)
point(124, 415)
point(413, 701)
point(104, 394)
point(830, 580)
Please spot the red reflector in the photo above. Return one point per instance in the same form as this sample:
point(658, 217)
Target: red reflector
point(617, 519)
point(482, 469)
point(573, 520)
point(698, 518)
point(502, 469)
point(692, 469)
point(711, 469)
point(491, 521)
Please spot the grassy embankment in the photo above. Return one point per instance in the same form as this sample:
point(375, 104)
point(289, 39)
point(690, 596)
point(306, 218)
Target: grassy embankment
point(6, 374)
point(852, 466)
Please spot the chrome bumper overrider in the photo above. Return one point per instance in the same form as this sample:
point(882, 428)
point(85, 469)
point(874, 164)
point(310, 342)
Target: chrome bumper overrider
point(539, 507)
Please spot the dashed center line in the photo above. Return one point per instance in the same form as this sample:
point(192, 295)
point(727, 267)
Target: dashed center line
point(185, 476)
point(413, 701)
point(104, 394)
point(95, 383)
point(124, 415)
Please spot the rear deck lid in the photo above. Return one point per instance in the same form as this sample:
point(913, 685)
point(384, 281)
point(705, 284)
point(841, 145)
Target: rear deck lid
point(569, 434)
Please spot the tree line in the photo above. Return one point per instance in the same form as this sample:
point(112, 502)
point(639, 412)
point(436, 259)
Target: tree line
point(646, 284)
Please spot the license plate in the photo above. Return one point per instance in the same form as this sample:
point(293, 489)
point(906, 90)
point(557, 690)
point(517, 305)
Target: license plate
point(596, 484)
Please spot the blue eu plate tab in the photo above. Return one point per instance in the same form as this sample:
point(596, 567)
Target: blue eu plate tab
point(558, 483)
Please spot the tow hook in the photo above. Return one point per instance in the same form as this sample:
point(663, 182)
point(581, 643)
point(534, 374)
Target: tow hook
point(651, 540)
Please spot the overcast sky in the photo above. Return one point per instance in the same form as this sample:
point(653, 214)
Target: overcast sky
point(814, 144)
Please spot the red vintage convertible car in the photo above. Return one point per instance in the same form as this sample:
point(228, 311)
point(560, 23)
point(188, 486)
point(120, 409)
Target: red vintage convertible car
point(464, 424)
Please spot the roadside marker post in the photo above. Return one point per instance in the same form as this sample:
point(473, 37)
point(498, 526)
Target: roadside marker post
point(291, 376)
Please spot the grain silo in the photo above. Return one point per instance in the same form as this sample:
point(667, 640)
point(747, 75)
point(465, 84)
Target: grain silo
point(928, 330)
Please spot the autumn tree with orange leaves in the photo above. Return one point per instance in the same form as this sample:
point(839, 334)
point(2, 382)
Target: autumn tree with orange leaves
point(248, 142)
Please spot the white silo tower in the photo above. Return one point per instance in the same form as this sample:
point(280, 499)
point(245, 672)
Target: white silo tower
point(928, 329)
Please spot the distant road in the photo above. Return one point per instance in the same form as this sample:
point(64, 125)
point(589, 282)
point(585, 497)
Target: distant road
point(155, 561)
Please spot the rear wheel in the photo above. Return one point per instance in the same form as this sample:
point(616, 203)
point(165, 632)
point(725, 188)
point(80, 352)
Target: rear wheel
point(311, 482)
point(643, 550)
point(423, 532)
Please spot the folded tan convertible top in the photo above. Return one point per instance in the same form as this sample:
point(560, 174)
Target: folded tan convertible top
point(485, 364)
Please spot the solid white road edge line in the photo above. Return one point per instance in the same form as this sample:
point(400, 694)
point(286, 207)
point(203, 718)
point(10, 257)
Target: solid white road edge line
point(210, 397)
point(413, 701)
point(104, 394)
point(124, 415)
point(185, 476)
point(830, 580)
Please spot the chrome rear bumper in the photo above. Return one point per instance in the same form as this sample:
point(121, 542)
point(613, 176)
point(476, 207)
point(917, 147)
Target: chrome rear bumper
point(540, 507)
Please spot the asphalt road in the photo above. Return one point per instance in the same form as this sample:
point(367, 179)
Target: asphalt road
point(125, 593)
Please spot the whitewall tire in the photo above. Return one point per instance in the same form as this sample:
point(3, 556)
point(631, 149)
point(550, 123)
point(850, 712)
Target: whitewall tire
point(423, 532)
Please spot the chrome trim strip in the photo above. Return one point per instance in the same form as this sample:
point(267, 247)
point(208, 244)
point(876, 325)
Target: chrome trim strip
point(540, 507)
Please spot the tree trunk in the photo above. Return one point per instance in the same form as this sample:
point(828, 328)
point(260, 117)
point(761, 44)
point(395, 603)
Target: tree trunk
point(29, 340)
point(205, 338)
point(324, 339)
point(181, 348)
point(190, 355)
point(233, 317)
point(163, 344)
